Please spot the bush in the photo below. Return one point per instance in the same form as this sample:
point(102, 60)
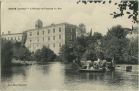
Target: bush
point(6, 53)
point(44, 55)
point(21, 52)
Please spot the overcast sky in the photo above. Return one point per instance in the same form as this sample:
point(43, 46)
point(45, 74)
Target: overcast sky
point(95, 16)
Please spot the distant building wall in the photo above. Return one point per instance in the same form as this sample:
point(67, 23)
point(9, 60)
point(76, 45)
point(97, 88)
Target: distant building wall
point(13, 37)
point(53, 37)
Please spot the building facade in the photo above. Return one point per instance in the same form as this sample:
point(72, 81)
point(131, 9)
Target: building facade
point(52, 36)
point(13, 37)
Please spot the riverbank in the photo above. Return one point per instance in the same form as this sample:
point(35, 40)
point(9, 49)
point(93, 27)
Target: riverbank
point(123, 67)
point(71, 65)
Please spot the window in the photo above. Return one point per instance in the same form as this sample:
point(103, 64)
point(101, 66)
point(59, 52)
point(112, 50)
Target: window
point(59, 44)
point(11, 38)
point(15, 38)
point(53, 30)
point(43, 32)
point(59, 36)
point(53, 45)
point(49, 38)
point(48, 30)
point(38, 39)
point(38, 33)
point(43, 38)
point(30, 40)
point(30, 34)
point(60, 29)
point(53, 37)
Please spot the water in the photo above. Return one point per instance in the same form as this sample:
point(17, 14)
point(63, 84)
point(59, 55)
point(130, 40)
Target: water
point(57, 76)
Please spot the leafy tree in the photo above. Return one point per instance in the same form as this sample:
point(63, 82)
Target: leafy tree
point(133, 51)
point(6, 53)
point(97, 36)
point(129, 7)
point(44, 55)
point(21, 52)
point(37, 55)
point(115, 44)
point(83, 47)
point(81, 29)
point(24, 38)
point(74, 52)
point(93, 50)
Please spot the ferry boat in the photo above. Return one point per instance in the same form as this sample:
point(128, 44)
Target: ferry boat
point(92, 70)
point(96, 67)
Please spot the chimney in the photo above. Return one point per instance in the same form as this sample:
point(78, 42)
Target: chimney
point(9, 32)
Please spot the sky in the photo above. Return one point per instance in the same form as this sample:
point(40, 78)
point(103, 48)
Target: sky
point(95, 16)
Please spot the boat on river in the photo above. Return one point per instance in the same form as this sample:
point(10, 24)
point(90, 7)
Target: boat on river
point(97, 66)
point(92, 70)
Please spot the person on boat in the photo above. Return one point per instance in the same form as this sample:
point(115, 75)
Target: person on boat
point(88, 63)
point(97, 64)
point(103, 64)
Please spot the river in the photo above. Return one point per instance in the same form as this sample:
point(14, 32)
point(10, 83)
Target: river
point(57, 76)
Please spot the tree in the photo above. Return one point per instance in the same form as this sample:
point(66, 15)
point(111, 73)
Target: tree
point(24, 38)
point(21, 52)
point(81, 29)
point(115, 44)
point(37, 55)
point(129, 7)
point(6, 53)
point(44, 55)
point(133, 51)
point(83, 47)
point(93, 50)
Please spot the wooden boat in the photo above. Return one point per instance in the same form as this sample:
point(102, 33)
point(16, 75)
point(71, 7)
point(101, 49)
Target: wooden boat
point(92, 70)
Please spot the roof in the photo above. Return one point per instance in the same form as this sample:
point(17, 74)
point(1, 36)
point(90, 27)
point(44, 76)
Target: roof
point(52, 25)
point(11, 34)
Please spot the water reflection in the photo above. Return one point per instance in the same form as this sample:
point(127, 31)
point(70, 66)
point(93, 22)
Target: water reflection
point(57, 76)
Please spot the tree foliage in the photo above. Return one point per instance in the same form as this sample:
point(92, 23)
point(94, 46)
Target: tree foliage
point(10, 50)
point(44, 55)
point(133, 51)
point(129, 7)
point(81, 29)
point(82, 46)
point(21, 52)
point(6, 53)
point(113, 45)
point(24, 38)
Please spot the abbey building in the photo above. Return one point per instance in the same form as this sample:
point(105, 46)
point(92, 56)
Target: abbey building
point(52, 36)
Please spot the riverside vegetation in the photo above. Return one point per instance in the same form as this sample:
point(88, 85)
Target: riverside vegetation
point(112, 45)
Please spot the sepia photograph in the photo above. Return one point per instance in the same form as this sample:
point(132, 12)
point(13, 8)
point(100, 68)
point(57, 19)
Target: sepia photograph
point(69, 45)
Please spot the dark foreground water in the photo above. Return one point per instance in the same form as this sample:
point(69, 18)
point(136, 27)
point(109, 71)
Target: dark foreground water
point(57, 76)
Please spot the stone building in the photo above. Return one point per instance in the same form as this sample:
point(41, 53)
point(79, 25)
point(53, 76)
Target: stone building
point(12, 36)
point(52, 36)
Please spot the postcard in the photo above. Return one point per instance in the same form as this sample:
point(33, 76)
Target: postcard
point(69, 45)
